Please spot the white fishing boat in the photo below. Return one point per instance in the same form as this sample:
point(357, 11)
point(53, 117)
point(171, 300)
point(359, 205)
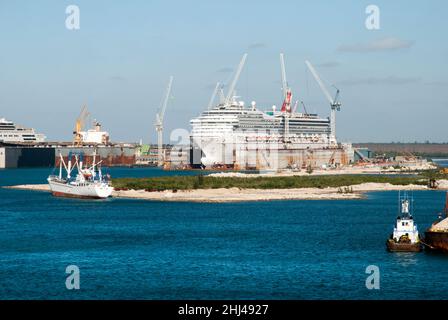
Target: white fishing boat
point(80, 181)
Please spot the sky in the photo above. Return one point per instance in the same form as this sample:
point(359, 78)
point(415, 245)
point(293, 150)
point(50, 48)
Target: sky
point(393, 81)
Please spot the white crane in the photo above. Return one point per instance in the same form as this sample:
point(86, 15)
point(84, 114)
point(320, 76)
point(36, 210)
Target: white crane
point(230, 93)
point(159, 122)
point(287, 94)
point(222, 97)
point(284, 82)
point(215, 92)
point(334, 103)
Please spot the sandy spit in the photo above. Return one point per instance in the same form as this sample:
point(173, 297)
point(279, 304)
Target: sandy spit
point(237, 195)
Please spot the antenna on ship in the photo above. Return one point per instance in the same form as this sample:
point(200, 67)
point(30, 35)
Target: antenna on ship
point(231, 90)
point(159, 122)
point(334, 103)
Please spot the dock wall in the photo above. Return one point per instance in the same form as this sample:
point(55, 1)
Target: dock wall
point(248, 156)
point(109, 155)
point(26, 157)
point(48, 156)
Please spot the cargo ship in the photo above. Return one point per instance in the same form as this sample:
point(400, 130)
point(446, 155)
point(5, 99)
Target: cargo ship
point(88, 182)
point(436, 237)
point(405, 237)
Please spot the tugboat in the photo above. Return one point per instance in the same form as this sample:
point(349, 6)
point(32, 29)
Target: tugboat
point(87, 183)
point(436, 237)
point(405, 237)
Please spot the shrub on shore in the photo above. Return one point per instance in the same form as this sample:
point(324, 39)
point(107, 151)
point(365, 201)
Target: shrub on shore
point(206, 182)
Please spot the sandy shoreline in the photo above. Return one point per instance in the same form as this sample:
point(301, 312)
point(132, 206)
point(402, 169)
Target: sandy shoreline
point(237, 195)
point(366, 170)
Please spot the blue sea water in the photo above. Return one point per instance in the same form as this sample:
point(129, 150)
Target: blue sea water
point(133, 249)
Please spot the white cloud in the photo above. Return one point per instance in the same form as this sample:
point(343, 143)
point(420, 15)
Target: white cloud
point(117, 78)
point(390, 80)
point(436, 83)
point(225, 70)
point(384, 44)
point(329, 64)
point(257, 45)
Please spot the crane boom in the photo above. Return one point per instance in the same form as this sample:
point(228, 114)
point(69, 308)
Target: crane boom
point(319, 81)
point(161, 114)
point(159, 122)
point(235, 80)
point(284, 81)
point(215, 92)
point(222, 98)
point(80, 121)
point(82, 118)
point(335, 105)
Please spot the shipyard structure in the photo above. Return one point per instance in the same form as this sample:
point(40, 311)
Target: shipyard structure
point(233, 136)
point(22, 147)
point(228, 135)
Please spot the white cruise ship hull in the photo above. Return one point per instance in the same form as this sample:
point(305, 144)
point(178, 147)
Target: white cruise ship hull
point(82, 190)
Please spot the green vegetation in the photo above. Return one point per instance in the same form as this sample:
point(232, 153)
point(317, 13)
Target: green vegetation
point(206, 182)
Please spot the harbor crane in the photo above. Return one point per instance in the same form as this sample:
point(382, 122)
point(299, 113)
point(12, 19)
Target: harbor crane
point(304, 107)
point(80, 121)
point(215, 92)
point(334, 103)
point(284, 81)
point(222, 97)
point(287, 94)
point(159, 122)
point(230, 93)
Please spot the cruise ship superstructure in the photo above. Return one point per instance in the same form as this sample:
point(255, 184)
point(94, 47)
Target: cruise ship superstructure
point(239, 137)
point(12, 133)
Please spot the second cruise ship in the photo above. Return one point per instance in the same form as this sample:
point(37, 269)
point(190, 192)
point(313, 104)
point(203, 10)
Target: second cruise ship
point(17, 134)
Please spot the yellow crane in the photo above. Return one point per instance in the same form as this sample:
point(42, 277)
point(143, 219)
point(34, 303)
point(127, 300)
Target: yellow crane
point(80, 121)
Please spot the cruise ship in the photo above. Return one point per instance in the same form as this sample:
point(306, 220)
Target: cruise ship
point(239, 137)
point(12, 133)
point(235, 125)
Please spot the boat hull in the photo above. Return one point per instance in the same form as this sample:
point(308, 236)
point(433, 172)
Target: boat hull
point(436, 240)
point(393, 246)
point(84, 191)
